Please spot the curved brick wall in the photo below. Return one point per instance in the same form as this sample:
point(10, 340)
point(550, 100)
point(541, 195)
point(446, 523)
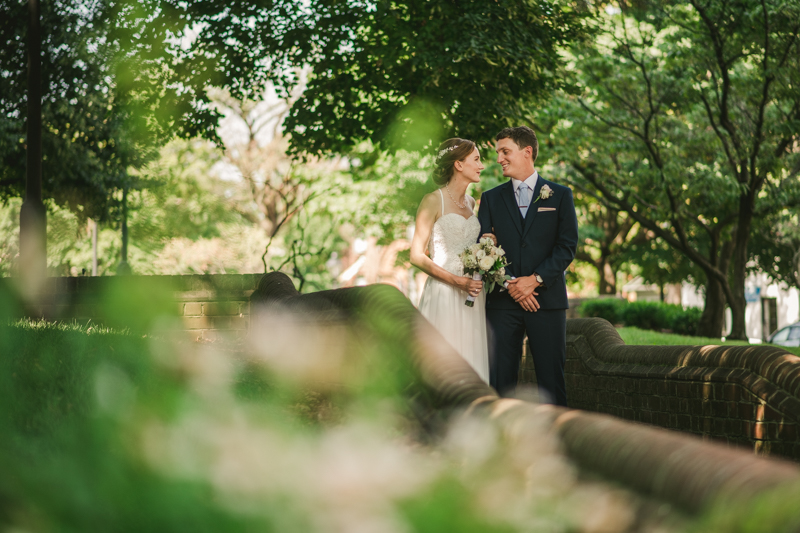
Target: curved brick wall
point(684, 470)
point(742, 395)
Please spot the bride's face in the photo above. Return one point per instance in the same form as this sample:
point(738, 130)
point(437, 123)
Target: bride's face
point(471, 166)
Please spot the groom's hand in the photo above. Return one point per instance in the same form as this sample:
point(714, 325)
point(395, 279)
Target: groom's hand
point(522, 287)
point(523, 291)
point(530, 303)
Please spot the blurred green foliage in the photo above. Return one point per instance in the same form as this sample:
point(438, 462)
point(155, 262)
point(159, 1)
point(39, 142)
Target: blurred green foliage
point(70, 398)
point(769, 511)
point(310, 427)
point(124, 432)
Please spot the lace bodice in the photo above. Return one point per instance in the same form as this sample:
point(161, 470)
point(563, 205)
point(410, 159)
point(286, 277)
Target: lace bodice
point(452, 233)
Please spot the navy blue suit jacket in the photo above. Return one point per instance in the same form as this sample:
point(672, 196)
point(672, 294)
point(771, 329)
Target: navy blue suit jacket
point(546, 243)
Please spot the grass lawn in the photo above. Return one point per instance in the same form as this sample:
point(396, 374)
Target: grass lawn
point(652, 338)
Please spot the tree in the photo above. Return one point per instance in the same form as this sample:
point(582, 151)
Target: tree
point(691, 112)
point(120, 79)
point(89, 125)
point(604, 235)
point(657, 262)
point(123, 77)
point(380, 67)
point(774, 246)
point(274, 190)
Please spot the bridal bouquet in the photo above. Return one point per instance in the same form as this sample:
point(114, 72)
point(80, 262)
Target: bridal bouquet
point(485, 261)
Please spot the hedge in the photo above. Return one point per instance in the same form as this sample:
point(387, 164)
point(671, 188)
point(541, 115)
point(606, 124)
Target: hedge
point(644, 315)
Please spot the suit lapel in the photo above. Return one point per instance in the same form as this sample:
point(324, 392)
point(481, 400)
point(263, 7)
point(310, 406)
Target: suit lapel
point(533, 210)
point(511, 203)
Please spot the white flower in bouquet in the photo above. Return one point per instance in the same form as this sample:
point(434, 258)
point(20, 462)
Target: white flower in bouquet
point(484, 261)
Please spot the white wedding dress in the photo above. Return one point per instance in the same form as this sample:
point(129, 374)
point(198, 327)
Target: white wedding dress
point(443, 305)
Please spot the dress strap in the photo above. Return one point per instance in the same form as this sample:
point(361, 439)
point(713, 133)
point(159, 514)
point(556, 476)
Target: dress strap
point(441, 195)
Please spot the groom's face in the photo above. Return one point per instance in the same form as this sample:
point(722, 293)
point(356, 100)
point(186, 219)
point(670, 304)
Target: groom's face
point(516, 163)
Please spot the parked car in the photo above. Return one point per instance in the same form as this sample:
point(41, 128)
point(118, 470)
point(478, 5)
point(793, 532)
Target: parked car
point(787, 336)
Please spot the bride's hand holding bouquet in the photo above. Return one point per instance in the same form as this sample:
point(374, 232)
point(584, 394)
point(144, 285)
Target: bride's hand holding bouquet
point(485, 261)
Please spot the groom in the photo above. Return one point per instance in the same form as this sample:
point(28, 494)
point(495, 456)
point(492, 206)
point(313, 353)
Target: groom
point(535, 223)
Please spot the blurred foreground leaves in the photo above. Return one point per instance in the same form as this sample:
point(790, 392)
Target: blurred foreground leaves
point(307, 425)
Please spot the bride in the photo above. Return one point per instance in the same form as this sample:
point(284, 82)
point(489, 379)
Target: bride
point(445, 226)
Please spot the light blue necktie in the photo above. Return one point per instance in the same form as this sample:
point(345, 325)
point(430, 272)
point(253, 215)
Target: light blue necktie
point(524, 198)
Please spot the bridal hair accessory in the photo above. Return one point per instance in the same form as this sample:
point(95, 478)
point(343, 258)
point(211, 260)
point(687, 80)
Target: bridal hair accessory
point(462, 206)
point(444, 151)
point(545, 193)
point(484, 260)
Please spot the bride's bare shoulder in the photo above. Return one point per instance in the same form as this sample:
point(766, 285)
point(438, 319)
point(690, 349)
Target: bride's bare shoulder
point(431, 202)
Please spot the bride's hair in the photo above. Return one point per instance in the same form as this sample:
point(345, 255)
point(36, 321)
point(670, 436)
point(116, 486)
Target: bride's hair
point(449, 152)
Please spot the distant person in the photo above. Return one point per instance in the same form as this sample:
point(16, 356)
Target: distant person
point(445, 226)
point(534, 221)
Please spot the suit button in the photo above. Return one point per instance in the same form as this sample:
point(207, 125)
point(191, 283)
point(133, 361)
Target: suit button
point(524, 244)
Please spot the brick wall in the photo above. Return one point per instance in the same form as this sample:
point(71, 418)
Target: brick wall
point(208, 305)
point(746, 396)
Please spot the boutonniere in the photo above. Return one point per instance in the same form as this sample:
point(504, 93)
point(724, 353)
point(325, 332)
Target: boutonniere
point(544, 193)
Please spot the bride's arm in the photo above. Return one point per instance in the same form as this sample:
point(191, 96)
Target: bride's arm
point(426, 217)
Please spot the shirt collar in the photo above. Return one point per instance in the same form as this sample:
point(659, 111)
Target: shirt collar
point(530, 181)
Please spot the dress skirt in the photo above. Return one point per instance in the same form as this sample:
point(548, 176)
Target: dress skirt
point(463, 327)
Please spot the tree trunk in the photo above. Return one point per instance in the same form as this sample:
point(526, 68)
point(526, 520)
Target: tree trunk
point(33, 215)
point(738, 303)
point(713, 316)
point(608, 278)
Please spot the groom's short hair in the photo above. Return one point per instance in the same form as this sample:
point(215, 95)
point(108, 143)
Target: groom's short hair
point(522, 136)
